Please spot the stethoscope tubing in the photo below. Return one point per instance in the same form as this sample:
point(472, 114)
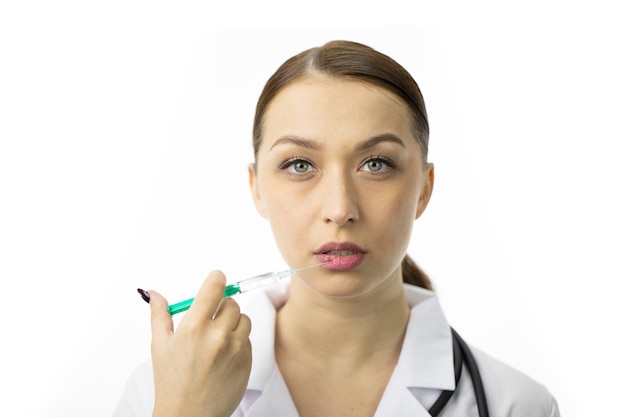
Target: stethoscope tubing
point(463, 356)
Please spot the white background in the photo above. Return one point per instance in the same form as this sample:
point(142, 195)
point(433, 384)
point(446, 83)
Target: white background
point(125, 136)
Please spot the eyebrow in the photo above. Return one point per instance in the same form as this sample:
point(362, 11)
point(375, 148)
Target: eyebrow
point(373, 141)
point(304, 143)
point(365, 145)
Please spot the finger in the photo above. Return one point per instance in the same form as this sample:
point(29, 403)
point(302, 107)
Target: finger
point(244, 325)
point(228, 313)
point(209, 296)
point(160, 318)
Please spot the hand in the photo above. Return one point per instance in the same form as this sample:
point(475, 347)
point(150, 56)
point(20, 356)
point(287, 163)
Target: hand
point(202, 369)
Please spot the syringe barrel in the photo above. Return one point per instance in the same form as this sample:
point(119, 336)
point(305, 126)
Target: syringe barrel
point(257, 282)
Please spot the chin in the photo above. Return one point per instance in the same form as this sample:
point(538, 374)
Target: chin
point(342, 287)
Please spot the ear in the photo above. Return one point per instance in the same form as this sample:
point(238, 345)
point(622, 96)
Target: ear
point(427, 190)
point(254, 190)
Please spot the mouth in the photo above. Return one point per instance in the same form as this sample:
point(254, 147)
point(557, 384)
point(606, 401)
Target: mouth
point(339, 252)
point(340, 256)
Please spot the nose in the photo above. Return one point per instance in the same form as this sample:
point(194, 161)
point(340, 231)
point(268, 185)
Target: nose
point(339, 200)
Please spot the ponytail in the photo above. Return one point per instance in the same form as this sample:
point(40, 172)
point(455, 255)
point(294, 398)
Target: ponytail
point(412, 274)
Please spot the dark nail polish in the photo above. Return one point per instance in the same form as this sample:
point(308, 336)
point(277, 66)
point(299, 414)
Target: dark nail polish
point(144, 294)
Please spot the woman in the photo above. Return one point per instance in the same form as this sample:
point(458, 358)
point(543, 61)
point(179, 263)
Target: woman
point(341, 173)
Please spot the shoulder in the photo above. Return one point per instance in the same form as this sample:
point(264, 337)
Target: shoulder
point(137, 399)
point(510, 392)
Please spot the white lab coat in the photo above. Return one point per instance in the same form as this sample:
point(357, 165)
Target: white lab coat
point(425, 368)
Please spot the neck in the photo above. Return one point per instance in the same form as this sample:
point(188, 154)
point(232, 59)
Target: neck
point(342, 331)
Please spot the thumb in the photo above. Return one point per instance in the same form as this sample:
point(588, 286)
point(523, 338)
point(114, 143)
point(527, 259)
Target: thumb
point(160, 318)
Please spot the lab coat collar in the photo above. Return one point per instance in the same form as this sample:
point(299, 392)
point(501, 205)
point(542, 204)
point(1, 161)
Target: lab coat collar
point(427, 358)
point(262, 309)
point(420, 365)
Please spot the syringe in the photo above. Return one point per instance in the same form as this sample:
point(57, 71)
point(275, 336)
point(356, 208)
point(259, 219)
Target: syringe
point(242, 286)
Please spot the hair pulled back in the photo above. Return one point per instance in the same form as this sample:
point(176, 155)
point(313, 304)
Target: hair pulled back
point(352, 60)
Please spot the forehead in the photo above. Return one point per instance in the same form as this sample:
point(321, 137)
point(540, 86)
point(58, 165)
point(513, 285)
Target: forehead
point(327, 108)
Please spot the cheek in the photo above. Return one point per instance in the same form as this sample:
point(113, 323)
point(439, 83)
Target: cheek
point(289, 215)
point(395, 216)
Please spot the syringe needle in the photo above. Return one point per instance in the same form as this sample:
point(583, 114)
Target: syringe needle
point(242, 286)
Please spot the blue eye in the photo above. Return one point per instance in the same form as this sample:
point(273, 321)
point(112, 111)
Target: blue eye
point(296, 165)
point(300, 166)
point(377, 164)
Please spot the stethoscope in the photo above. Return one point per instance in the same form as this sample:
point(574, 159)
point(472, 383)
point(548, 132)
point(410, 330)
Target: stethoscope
point(463, 355)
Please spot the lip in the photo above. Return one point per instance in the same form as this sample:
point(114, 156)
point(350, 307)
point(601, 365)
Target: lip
point(353, 255)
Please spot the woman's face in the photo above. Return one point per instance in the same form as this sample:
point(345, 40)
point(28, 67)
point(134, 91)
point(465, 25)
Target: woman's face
point(341, 180)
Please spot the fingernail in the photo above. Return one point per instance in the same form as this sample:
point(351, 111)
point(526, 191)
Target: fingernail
point(144, 294)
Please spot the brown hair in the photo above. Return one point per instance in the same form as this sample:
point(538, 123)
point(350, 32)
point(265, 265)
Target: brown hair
point(345, 59)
